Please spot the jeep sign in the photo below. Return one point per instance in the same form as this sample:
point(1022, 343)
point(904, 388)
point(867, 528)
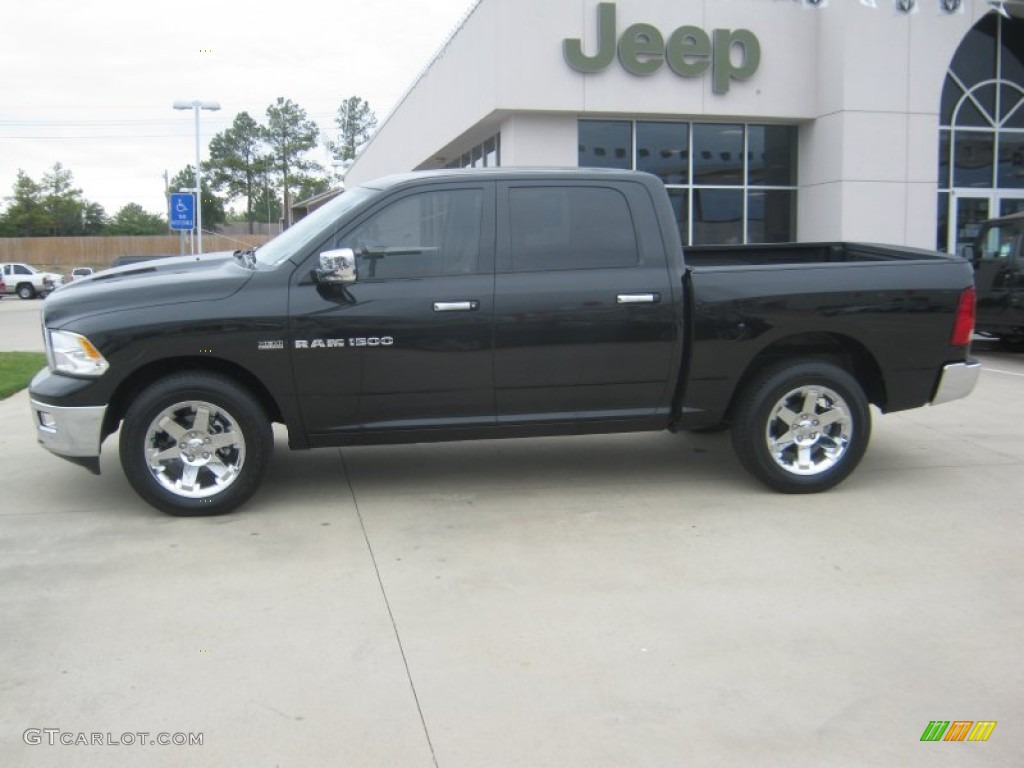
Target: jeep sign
point(689, 51)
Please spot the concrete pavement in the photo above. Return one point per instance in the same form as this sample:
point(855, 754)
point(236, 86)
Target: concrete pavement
point(601, 601)
point(19, 325)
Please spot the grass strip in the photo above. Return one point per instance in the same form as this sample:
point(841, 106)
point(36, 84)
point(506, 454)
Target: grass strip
point(17, 370)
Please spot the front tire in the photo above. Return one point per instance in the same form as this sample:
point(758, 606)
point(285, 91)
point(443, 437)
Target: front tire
point(802, 427)
point(195, 444)
point(26, 291)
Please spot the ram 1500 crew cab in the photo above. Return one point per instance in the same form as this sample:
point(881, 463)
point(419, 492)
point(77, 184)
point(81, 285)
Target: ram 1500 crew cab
point(485, 304)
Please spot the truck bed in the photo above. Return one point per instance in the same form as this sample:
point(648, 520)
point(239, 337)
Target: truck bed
point(821, 299)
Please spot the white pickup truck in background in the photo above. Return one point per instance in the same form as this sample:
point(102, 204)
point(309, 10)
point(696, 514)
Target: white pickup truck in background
point(27, 281)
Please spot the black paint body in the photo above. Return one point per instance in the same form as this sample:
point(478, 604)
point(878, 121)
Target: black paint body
point(542, 352)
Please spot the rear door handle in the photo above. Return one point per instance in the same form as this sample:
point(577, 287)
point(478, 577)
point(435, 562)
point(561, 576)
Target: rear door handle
point(456, 306)
point(639, 298)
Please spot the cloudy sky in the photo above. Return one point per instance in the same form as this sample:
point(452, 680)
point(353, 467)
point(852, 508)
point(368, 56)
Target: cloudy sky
point(91, 84)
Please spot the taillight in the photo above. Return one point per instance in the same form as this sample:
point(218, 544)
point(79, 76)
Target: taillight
point(964, 325)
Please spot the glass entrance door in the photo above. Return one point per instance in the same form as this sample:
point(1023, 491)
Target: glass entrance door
point(971, 208)
point(968, 213)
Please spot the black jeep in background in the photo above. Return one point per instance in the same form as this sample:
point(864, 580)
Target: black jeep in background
point(999, 278)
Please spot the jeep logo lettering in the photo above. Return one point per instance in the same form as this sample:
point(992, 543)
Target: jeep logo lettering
point(689, 51)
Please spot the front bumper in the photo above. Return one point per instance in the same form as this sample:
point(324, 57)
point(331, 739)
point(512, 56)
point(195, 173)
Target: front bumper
point(71, 433)
point(957, 380)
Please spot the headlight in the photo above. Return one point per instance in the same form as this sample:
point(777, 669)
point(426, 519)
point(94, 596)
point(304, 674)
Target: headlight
point(74, 354)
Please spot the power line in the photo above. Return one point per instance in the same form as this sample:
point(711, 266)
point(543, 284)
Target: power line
point(94, 136)
point(100, 122)
point(217, 126)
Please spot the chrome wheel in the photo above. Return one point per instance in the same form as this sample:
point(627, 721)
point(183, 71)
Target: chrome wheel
point(194, 449)
point(809, 430)
point(801, 426)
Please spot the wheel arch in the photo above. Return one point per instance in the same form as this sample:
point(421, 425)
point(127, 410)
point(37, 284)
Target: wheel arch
point(844, 351)
point(147, 374)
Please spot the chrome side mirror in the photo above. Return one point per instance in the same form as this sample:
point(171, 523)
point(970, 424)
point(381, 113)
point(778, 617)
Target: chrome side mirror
point(337, 267)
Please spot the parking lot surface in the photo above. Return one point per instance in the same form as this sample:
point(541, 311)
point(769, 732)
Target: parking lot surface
point(631, 600)
point(19, 325)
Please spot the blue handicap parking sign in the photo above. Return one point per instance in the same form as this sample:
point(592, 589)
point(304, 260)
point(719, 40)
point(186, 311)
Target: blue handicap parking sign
point(182, 215)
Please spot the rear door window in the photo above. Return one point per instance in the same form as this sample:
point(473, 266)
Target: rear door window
point(558, 228)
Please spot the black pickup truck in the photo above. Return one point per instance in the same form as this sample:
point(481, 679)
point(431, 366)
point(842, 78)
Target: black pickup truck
point(998, 256)
point(486, 304)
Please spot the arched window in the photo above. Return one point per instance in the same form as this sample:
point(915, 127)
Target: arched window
point(981, 134)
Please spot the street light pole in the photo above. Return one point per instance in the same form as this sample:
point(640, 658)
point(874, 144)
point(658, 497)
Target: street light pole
point(213, 106)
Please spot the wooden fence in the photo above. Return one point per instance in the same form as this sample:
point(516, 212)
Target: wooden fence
point(61, 254)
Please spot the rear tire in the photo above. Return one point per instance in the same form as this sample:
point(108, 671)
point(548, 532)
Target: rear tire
point(1012, 343)
point(801, 427)
point(195, 444)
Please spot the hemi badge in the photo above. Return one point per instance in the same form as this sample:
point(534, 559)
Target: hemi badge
point(265, 345)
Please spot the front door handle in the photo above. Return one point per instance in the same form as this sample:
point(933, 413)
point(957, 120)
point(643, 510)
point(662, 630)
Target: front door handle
point(638, 298)
point(456, 306)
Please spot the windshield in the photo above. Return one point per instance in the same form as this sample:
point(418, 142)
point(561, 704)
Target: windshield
point(997, 242)
point(311, 228)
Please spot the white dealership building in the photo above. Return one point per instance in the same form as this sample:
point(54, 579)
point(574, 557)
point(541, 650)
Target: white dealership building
point(897, 121)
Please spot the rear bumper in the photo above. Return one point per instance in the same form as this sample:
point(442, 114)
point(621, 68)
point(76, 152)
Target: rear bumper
point(71, 433)
point(957, 380)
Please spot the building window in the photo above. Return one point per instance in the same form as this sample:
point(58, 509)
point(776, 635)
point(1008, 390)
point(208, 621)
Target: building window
point(981, 133)
point(727, 182)
point(606, 144)
point(486, 154)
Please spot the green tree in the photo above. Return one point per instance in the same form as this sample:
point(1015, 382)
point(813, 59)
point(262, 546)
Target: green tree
point(26, 214)
point(356, 123)
point(267, 206)
point(290, 134)
point(311, 186)
point(212, 206)
point(94, 219)
point(132, 219)
point(62, 201)
point(53, 207)
point(235, 162)
point(70, 213)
